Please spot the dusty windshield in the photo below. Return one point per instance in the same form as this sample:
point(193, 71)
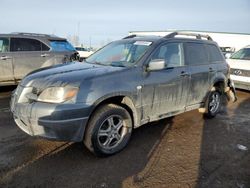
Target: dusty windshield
point(125, 53)
point(243, 54)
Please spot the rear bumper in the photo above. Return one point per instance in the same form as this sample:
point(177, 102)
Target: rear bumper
point(64, 122)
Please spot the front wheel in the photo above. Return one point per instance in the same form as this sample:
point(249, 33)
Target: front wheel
point(213, 104)
point(109, 130)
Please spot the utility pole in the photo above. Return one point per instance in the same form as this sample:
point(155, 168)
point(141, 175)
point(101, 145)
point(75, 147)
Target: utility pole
point(78, 29)
point(90, 42)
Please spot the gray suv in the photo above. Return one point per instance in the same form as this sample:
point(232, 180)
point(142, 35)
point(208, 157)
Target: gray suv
point(122, 86)
point(21, 53)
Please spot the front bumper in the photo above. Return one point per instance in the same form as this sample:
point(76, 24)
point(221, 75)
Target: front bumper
point(64, 122)
point(241, 82)
point(242, 85)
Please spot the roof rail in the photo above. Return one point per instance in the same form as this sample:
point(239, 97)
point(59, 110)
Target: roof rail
point(197, 35)
point(130, 36)
point(33, 34)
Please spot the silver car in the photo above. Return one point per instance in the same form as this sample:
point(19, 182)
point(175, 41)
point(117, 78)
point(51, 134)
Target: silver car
point(21, 53)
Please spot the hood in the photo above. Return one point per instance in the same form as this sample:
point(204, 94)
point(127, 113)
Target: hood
point(239, 64)
point(66, 74)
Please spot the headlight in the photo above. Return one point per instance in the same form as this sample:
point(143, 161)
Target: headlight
point(57, 94)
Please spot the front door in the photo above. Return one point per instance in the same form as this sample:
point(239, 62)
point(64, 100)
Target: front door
point(165, 91)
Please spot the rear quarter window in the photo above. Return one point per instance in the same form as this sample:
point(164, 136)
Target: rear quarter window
point(196, 54)
point(214, 54)
point(45, 47)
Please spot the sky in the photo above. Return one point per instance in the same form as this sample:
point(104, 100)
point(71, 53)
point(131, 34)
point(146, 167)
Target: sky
point(98, 21)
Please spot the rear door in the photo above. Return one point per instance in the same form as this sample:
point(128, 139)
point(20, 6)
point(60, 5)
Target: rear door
point(198, 63)
point(6, 70)
point(26, 56)
point(216, 62)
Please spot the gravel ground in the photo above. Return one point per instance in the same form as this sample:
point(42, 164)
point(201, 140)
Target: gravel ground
point(183, 151)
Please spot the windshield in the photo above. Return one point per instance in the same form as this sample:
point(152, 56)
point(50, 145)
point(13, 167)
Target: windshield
point(81, 49)
point(243, 54)
point(61, 46)
point(125, 53)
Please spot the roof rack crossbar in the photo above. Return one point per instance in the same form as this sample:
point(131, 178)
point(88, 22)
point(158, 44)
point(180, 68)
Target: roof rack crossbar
point(198, 36)
point(130, 36)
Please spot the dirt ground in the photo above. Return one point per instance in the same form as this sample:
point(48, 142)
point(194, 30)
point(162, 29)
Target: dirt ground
point(184, 151)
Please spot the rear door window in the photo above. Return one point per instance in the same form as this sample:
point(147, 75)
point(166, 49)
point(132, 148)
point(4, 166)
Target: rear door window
point(196, 54)
point(4, 45)
point(214, 54)
point(25, 44)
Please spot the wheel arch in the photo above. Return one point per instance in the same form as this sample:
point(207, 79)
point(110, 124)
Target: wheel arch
point(122, 100)
point(219, 84)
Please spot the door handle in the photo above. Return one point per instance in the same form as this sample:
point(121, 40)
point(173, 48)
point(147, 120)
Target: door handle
point(5, 57)
point(45, 55)
point(211, 69)
point(183, 74)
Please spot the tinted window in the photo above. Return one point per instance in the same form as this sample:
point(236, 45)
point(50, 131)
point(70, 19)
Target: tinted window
point(61, 46)
point(214, 54)
point(45, 47)
point(172, 53)
point(196, 54)
point(23, 44)
point(4, 45)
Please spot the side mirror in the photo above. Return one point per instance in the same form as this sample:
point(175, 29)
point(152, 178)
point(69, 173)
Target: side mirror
point(156, 64)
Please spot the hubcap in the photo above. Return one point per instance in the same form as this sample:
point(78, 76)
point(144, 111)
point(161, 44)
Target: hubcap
point(214, 102)
point(111, 132)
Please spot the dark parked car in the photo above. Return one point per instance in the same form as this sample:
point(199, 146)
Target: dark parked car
point(124, 85)
point(21, 53)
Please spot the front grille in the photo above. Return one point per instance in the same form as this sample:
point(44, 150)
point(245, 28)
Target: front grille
point(240, 72)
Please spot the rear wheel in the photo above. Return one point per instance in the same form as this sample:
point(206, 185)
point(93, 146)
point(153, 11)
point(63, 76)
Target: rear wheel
point(109, 130)
point(213, 104)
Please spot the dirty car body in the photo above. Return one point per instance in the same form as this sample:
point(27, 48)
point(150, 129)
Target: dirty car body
point(153, 78)
point(22, 53)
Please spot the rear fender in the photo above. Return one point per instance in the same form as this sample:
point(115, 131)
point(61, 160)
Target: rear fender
point(230, 91)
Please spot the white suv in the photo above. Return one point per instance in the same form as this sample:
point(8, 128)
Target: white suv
point(84, 52)
point(240, 68)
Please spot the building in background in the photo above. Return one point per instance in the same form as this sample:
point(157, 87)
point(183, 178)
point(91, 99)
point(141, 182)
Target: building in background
point(229, 42)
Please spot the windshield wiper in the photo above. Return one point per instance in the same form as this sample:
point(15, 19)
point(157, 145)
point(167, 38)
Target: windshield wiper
point(115, 65)
point(95, 63)
point(99, 63)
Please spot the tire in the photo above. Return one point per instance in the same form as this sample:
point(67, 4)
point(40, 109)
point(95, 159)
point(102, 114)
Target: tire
point(108, 131)
point(213, 104)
